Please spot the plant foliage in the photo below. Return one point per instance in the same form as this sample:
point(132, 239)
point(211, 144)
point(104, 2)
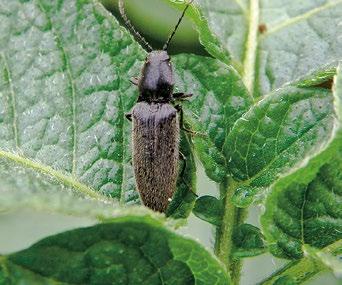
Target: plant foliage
point(267, 103)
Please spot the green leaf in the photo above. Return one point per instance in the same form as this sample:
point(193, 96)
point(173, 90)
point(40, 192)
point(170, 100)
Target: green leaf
point(233, 16)
point(277, 41)
point(104, 254)
point(248, 241)
point(306, 214)
point(64, 92)
point(219, 99)
point(63, 96)
point(208, 39)
point(209, 209)
point(276, 136)
point(331, 261)
point(47, 200)
point(23, 179)
point(305, 207)
point(62, 108)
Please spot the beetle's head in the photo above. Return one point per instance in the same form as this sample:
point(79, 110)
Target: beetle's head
point(156, 82)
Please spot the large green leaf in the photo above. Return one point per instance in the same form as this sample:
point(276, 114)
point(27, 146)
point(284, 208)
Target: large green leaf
point(276, 136)
point(127, 250)
point(219, 99)
point(306, 214)
point(277, 41)
point(64, 93)
point(305, 208)
point(64, 82)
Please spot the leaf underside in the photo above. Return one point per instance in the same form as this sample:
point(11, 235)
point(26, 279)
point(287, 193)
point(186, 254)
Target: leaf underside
point(63, 94)
point(276, 42)
point(64, 83)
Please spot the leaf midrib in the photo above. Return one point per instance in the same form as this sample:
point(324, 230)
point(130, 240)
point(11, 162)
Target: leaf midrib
point(63, 178)
point(249, 64)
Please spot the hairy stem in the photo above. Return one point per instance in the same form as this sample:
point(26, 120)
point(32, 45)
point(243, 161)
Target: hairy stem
point(3, 269)
point(305, 268)
point(232, 218)
point(299, 271)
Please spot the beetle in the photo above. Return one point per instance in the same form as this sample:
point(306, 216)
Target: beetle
point(156, 123)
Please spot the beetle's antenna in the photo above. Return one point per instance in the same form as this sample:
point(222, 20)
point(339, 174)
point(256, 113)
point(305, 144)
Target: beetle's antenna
point(131, 27)
point(165, 47)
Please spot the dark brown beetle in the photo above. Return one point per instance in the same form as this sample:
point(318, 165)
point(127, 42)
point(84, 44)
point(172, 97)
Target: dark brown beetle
point(156, 125)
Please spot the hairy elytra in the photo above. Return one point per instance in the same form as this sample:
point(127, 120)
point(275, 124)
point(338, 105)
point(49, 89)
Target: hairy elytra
point(156, 121)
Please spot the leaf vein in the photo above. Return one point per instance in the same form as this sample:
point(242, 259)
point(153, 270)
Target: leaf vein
point(65, 179)
point(302, 210)
point(50, 280)
point(67, 68)
point(13, 103)
point(302, 17)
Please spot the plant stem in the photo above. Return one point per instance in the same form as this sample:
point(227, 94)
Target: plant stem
point(299, 270)
point(3, 269)
point(232, 217)
point(305, 268)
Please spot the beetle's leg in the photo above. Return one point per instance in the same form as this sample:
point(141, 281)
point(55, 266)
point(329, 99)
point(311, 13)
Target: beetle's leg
point(128, 116)
point(181, 122)
point(181, 116)
point(181, 96)
point(134, 80)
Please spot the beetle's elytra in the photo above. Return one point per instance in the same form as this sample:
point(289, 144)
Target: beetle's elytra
point(155, 152)
point(156, 125)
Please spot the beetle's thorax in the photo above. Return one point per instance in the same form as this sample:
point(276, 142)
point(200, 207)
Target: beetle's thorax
point(156, 82)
